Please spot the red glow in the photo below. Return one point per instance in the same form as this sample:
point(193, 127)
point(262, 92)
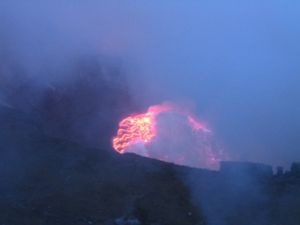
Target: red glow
point(133, 129)
point(167, 137)
point(136, 128)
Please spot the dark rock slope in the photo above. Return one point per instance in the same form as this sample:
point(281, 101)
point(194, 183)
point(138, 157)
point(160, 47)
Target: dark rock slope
point(51, 181)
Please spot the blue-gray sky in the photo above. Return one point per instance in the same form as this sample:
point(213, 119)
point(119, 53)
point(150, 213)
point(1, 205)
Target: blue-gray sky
point(238, 61)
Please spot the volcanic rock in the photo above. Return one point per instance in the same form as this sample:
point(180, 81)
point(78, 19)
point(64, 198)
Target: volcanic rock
point(46, 180)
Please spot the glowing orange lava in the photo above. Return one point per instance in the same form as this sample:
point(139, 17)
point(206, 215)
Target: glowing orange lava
point(141, 127)
point(133, 129)
point(170, 133)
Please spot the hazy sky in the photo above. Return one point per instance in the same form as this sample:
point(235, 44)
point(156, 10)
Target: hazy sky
point(238, 61)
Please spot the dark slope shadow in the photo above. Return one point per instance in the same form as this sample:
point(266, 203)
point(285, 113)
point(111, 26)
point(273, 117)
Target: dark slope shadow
point(47, 180)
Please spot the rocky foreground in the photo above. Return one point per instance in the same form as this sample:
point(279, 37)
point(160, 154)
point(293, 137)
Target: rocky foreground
point(45, 180)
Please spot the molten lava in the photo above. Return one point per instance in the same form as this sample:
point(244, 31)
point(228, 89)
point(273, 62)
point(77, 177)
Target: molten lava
point(138, 128)
point(134, 129)
point(169, 133)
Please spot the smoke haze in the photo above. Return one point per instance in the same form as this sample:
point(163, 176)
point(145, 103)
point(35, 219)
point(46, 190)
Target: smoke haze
point(237, 62)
